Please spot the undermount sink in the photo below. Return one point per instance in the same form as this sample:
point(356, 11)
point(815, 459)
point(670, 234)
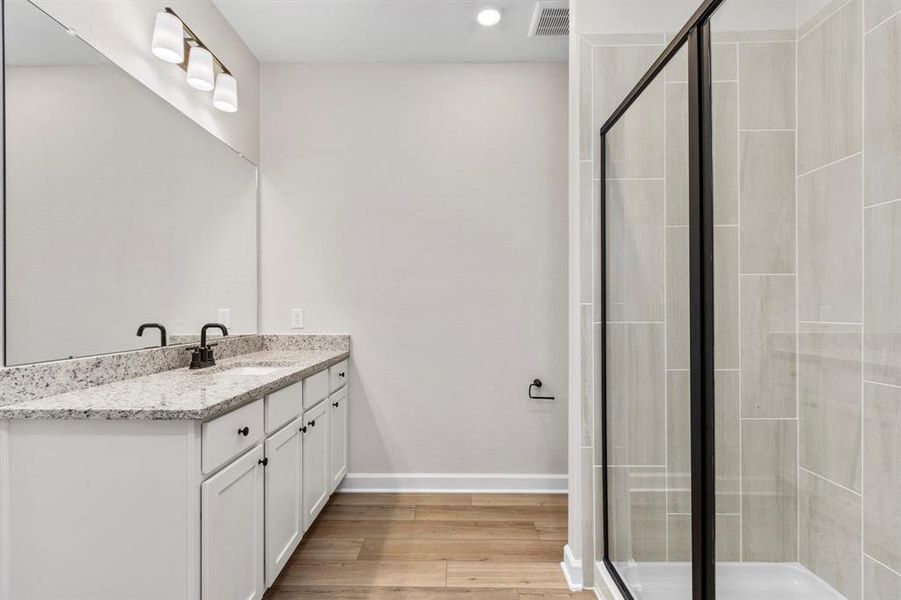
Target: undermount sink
point(250, 370)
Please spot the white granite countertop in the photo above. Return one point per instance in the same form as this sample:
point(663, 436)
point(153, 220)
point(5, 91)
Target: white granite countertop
point(180, 394)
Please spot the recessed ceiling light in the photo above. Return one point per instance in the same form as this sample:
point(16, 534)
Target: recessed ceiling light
point(489, 17)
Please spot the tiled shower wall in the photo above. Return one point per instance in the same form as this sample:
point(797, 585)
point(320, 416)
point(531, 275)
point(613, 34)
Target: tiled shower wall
point(848, 306)
point(808, 279)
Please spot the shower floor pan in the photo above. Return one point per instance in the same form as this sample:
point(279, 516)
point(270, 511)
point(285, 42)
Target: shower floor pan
point(734, 581)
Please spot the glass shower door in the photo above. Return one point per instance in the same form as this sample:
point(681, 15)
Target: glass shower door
point(645, 206)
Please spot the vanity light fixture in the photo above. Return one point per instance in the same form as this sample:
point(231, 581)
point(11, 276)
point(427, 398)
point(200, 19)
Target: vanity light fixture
point(489, 17)
point(200, 69)
point(175, 42)
point(225, 98)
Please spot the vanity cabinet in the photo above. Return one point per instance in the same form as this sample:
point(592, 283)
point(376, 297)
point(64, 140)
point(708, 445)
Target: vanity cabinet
point(284, 496)
point(232, 530)
point(179, 509)
point(337, 437)
point(316, 480)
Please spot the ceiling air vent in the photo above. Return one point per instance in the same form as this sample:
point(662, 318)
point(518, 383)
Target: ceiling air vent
point(550, 19)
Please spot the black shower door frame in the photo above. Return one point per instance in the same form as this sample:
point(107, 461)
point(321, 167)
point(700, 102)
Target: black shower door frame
point(695, 34)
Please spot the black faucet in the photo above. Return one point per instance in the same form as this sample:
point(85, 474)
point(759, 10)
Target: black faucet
point(202, 357)
point(154, 326)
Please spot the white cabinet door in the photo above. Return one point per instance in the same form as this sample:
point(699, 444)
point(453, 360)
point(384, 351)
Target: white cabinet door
point(284, 497)
point(337, 437)
point(315, 462)
point(232, 531)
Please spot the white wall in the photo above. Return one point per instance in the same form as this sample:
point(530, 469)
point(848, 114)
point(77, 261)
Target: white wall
point(123, 29)
point(422, 208)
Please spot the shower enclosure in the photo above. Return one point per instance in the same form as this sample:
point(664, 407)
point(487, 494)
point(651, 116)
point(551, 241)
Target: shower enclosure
point(750, 388)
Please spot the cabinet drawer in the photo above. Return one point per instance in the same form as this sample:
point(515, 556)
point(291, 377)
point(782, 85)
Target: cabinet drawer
point(224, 437)
point(315, 388)
point(283, 405)
point(337, 375)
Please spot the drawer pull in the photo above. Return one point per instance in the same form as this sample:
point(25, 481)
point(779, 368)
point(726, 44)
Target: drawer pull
point(335, 404)
point(312, 423)
point(264, 461)
point(245, 431)
point(341, 374)
point(303, 429)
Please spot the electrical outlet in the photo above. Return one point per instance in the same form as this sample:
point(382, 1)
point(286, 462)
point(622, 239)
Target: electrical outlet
point(296, 318)
point(225, 316)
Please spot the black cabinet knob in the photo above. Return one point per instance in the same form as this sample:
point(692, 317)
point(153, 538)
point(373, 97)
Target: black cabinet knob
point(263, 461)
point(312, 423)
point(245, 431)
point(303, 429)
point(341, 374)
point(335, 404)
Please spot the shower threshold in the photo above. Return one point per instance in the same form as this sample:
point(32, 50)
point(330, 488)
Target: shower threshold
point(734, 581)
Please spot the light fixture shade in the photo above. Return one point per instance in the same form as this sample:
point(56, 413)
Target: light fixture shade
point(169, 38)
point(489, 17)
point(225, 98)
point(200, 69)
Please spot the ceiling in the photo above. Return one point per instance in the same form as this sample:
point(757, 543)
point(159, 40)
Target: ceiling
point(388, 31)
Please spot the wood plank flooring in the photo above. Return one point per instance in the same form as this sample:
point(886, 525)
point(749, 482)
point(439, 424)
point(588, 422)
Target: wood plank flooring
point(431, 547)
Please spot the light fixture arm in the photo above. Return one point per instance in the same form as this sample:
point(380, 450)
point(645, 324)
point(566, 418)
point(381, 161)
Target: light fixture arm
point(191, 37)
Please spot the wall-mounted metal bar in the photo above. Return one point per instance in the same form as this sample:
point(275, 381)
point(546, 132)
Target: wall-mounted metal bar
point(192, 37)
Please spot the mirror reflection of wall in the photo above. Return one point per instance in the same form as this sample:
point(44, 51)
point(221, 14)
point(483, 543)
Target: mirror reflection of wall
point(119, 209)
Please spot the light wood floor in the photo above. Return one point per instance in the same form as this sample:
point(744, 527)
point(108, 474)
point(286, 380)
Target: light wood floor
point(431, 547)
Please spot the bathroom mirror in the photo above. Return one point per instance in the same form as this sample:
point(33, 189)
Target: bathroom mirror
point(118, 208)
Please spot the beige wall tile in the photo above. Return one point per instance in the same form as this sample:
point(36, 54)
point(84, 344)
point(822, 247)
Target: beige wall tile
point(728, 548)
point(829, 372)
point(766, 80)
point(586, 464)
point(725, 153)
point(635, 144)
point(727, 435)
point(768, 369)
point(635, 251)
point(877, 11)
point(725, 295)
point(767, 202)
point(879, 583)
point(637, 517)
point(829, 243)
point(616, 69)
point(586, 232)
point(586, 367)
point(727, 464)
point(829, 89)
point(882, 474)
point(830, 533)
point(723, 64)
point(677, 289)
point(677, 154)
point(882, 119)
point(769, 487)
point(598, 359)
point(635, 403)
point(882, 288)
point(678, 441)
point(586, 124)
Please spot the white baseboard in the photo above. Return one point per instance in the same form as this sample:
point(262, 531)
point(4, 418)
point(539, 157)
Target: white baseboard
point(449, 483)
point(572, 570)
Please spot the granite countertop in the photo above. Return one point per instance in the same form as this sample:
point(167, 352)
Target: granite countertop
point(181, 394)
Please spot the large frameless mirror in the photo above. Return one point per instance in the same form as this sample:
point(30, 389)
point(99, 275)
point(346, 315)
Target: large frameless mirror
point(119, 209)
